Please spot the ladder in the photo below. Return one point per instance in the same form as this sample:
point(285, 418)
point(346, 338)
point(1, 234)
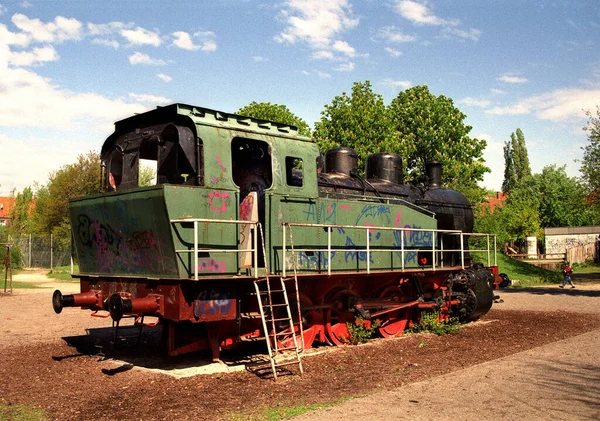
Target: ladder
point(277, 320)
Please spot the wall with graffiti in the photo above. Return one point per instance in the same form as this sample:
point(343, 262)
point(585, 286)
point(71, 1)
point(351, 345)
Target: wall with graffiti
point(349, 244)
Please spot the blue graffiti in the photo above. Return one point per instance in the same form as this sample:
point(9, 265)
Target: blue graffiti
point(212, 302)
point(373, 212)
point(324, 213)
point(314, 260)
point(361, 256)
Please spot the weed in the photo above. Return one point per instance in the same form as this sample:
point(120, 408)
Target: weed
point(433, 322)
point(22, 413)
point(422, 344)
point(361, 330)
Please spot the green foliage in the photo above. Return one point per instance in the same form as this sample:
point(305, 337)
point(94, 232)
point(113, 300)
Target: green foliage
point(525, 273)
point(516, 161)
point(15, 252)
point(22, 413)
point(20, 212)
point(63, 273)
point(590, 164)
point(432, 322)
point(359, 120)
point(431, 128)
point(147, 176)
point(361, 330)
point(275, 112)
point(51, 212)
point(282, 412)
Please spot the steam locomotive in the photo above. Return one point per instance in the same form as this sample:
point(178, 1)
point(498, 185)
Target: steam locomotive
point(251, 234)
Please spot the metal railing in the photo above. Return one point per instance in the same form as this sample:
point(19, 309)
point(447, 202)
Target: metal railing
point(196, 249)
point(402, 248)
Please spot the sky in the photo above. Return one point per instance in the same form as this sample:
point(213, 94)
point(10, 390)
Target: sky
point(70, 69)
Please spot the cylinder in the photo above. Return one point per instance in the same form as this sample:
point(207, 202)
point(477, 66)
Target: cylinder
point(433, 172)
point(341, 160)
point(384, 166)
point(119, 306)
point(531, 247)
point(90, 299)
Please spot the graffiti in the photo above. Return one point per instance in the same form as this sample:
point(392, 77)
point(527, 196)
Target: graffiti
point(223, 169)
point(246, 208)
point(361, 256)
point(398, 218)
point(213, 201)
point(211, 303)
point(374, 211)
point(323, 213)
point(314, 260)
point(345, 207)
point(109, 249)
point(212, 265)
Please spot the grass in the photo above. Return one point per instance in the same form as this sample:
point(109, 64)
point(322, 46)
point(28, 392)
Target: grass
point(22, 413)
point(63, 273)
point(285, 412)
point(587, 267)
point(525, 273)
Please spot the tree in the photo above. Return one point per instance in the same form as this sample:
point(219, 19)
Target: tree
point(562, 199)
point(431, 128)
point(590, 164)
point(516, 161)
point(359, 120)
point(82, 178)
point(277, 113)
point(20, 222)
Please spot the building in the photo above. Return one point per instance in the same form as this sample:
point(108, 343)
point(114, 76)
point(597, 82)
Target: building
point(5, 205)
point(558, 240)
point(495, 202)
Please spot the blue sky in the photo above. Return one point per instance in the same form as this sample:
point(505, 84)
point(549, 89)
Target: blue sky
point(70, 69)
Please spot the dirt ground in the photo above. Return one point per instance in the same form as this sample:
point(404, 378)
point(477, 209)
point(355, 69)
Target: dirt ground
point(65, 365)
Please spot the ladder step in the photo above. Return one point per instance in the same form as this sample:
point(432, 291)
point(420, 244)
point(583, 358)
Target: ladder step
point(275, 305)
point(287, 319)
point(286, 363)
point(250, 315)
point(253, 339)
point(273, 291)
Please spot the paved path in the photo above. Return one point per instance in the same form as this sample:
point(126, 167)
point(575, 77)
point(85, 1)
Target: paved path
point(559, 381)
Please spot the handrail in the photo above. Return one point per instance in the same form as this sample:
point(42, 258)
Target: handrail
point(196, 249)
point(436, 235)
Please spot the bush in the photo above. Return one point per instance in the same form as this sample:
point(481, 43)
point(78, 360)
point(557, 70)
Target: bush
point(435, 322)
point(361, 330)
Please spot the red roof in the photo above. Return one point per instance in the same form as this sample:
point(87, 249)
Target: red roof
point(495, 202)
point(5, 205)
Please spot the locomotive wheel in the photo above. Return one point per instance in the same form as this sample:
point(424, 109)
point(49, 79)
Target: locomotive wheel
point(395, 321)
point(312, 323)
point(337, 316)
point(505, 280)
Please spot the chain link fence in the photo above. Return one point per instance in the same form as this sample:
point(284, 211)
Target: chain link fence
point(41, 251)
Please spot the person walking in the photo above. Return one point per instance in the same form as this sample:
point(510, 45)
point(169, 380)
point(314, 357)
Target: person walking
point(567, 272)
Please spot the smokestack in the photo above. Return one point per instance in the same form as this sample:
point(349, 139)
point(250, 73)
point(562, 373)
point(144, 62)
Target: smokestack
point(433, 172)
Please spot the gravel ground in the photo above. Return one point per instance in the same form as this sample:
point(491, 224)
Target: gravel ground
point(64, 365)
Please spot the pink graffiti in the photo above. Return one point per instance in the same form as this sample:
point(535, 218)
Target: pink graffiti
point(246, 208)
point(398, 218)
point(330, 208)
point(366, 224)
point(213, 199)
point(213, 179)
point(212, 265)
point(223, 169)
point(346, 207)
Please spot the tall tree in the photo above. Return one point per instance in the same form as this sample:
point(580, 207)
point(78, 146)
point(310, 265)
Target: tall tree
point(20, 212)
point(359, 120)
point(429, 127)
point(81, 178)
point(516, 161)
point(277, 113)
point(590, 164)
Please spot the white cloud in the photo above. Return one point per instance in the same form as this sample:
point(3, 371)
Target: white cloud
point(393, 34)
point(321, 75)
point(315, 22)
point(141, 36)
point(199, 41)
point(323, 55)
point(472, 34)
point(497, 91)
point(558, 105)
point(150, 99)
point(106, 42)
point(164, 77)
point(346, 67)
point(107, 28)
point(393, 52)
point(3, 10)
point(397, 84)
point(11, 38)
point(140, 58)
point(54, 107)
point(419, 13)
point(61, 29)
point(344, 48)
point(260, 59)
point(511, 78)
point(474, 102)
point(34, 57)
point(25, 4)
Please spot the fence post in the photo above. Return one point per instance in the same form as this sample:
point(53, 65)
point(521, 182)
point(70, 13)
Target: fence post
point(29, 251)
point(51, 251)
